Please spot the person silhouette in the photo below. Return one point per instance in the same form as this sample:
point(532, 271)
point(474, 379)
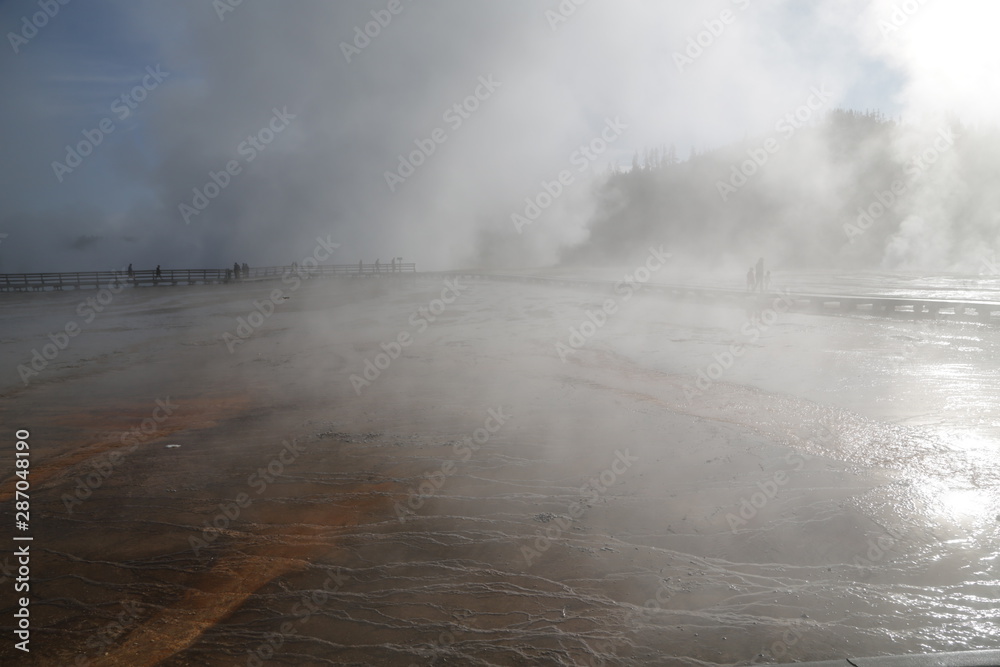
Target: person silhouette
point(376, 266)
point(236, 270)
point(759, 273)
point(159, 274)
point(750, 280)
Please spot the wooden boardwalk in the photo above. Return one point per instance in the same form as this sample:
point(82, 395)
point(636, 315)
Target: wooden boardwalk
point(38, 282)
point(828, 304)
point(878, 305)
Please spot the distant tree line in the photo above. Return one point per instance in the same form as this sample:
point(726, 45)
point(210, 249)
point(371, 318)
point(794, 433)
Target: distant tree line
point(800, 206)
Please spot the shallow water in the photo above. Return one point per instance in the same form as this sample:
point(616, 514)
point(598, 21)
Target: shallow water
point(834, 491)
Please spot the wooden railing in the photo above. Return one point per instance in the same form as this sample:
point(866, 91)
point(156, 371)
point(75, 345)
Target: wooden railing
point(10, 282)
point(817, 303)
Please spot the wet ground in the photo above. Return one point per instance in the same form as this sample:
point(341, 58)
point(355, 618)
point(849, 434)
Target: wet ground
point(483, 496)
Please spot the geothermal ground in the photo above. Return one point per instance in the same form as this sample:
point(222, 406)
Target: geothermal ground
point(478, 495)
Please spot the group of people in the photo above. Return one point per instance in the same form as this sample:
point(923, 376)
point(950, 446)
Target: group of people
point(378, 266)
point(240, 270)
point(757, 279)
point(131, 273)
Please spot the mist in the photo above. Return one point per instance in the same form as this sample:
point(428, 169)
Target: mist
point(560, 74)
point(571, 332)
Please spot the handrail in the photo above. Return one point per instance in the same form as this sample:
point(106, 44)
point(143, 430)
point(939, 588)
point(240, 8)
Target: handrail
point(57, 280)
